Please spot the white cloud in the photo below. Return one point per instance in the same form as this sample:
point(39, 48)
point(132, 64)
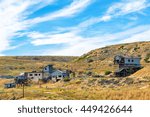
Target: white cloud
point(142, 36)
point(75, 7)
point(74, 50)
point(13, 15)
point(76, 44)
point(120, 8)
point(45, 39)
point(127, 6)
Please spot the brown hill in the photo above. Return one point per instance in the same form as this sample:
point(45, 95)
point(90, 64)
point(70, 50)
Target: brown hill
point(41, 58)
point(144, 73)
point(101, 60)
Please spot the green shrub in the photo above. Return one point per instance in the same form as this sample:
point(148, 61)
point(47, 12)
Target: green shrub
point(67, 79)
point(89, 73)
point(107, 72)
point(147, 58)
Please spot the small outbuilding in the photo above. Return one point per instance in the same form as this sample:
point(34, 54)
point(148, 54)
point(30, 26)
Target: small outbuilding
point(9, 85)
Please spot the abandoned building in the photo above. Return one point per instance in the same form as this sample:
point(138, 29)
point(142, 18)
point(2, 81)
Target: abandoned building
point(48, 72)
point(59, 75)
point(126, 65)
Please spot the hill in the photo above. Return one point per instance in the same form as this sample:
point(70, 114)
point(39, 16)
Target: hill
point(143, 73)
point(101, 60)
point(41, 58)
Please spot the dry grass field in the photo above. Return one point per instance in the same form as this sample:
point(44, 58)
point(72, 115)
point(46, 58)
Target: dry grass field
point(83, 89)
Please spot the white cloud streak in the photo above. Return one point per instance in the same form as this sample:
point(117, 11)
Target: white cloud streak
point(46, 39)
point(75, 7)
point(13, 15)
point(142, 36)
point(118, 9)
point(127, 6)
point(77, 45)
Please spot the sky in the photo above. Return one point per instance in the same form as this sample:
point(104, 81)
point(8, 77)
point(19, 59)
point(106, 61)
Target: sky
point(70, 27)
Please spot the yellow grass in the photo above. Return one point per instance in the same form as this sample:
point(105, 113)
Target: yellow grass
point(145, 72)
point(82, 89)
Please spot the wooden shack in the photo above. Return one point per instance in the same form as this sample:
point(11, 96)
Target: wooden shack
point(126, 65)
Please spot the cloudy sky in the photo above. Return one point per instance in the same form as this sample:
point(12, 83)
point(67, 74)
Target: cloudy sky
point(70, 27)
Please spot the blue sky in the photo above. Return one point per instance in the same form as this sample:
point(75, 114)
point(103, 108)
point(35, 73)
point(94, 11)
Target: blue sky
point(70, 27)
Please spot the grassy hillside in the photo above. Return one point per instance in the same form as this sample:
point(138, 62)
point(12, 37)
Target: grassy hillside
point(145, 72)
point(101, 60)
point(140, 49)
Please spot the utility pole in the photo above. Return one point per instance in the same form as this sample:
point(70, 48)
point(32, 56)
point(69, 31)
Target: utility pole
point(23, 90)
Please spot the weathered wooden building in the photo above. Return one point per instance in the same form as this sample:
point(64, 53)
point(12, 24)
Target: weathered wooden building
point(126, 65)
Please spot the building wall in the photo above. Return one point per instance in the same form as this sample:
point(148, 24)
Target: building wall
point(46, 75)
point(20, 77)
point(58, 75)
point(34, 76)
point(135, 61)
point(48, 69)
